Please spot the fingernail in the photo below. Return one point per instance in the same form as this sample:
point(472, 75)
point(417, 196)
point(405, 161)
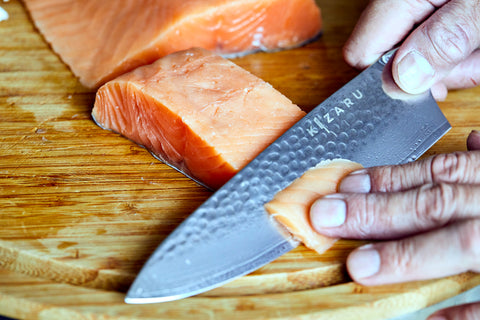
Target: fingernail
point(357, 182)
point(328, 212)
point(364, 262)
point(415, 73)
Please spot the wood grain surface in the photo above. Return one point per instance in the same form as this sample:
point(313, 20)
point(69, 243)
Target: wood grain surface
point(82, 208)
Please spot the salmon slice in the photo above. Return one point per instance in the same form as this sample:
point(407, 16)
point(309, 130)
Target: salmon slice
point(196, 111)
point(100, 40)
point(291, 206)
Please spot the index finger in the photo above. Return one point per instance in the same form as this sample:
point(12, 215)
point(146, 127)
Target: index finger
point(382, 25)
point(459, 167)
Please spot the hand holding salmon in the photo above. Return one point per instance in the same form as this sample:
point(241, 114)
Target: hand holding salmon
point(428, 210)
point(432, 205)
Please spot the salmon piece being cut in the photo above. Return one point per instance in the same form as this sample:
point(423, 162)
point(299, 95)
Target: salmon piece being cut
point(196, 111)
point(100, 40)
point(291, 206)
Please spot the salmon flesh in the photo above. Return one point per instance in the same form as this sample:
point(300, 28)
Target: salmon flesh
point(102, 39)
point(291, 206)
point(196, 111)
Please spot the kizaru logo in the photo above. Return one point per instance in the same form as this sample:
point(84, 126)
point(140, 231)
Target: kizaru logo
point(321, 122)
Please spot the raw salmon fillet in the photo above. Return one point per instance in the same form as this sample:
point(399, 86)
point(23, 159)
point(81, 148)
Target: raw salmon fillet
point(291, 206)
point(102, 39)
point(196, 111)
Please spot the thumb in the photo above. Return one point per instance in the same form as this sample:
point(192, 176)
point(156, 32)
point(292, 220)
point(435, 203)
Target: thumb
point(432, 50)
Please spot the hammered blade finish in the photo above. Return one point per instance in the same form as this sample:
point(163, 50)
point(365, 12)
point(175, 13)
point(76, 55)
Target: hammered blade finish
point(231, 234)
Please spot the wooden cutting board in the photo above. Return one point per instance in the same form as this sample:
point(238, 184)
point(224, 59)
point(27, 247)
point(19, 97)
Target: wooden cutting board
point(82, 208)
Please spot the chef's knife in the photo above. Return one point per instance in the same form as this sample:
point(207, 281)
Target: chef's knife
point(369, 121)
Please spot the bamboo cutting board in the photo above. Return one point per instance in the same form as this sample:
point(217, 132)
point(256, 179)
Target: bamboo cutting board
point(82, 208)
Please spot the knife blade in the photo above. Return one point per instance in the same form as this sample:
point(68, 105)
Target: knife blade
point(369, 121)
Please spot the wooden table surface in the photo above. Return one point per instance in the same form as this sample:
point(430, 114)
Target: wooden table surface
point(82, 208)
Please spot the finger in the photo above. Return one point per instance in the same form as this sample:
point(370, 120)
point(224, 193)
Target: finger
point(473, 140)
point(439, 91)
point(394, 215)
point(465, 75)
point(433, 49)
point(439, 253)
point(382, 25)
point(459, 167)
point(462, 312)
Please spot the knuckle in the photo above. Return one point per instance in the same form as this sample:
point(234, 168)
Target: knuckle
point(402, 257)
point(448, 167)
point(469, 237)
point(451, 41)
point(365, 208)
point(384, 179)
point(434, 204)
